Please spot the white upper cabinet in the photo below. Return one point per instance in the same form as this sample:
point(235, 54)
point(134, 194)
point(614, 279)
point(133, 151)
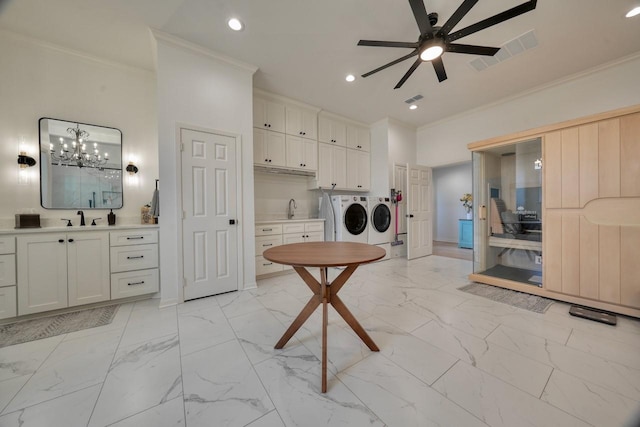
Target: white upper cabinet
point(268, 148)
point(302, 153)
point(332, 166)
point(332, 131)
point(268, 115)
point(301, 122)
point(358, 170)
point(358, 138)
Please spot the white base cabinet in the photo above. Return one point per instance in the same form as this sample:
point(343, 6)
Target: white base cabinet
point(62, 270)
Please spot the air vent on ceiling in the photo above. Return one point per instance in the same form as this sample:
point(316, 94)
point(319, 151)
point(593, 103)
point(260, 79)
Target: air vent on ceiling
point(511, 48)
point(418, 97)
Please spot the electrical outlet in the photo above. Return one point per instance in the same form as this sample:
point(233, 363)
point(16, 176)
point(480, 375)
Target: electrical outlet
point(538, 259)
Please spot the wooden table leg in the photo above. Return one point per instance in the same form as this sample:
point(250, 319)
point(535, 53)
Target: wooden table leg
point(307, 311)
point(337, 303)
point(323, 284)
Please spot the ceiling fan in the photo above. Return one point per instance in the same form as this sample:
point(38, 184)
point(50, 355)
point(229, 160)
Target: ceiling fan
point(434, 41)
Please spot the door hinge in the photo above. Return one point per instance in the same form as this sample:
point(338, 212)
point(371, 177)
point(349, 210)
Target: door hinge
point(184, 214)
point(184, 282)
point(182, 146)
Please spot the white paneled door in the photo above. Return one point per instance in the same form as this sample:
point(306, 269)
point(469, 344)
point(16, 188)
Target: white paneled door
point(419, 212)
point(209, 223)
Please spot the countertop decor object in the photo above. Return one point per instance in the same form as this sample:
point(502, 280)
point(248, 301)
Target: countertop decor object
point(324, 255)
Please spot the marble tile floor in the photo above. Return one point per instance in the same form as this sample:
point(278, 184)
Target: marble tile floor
point(447, 359)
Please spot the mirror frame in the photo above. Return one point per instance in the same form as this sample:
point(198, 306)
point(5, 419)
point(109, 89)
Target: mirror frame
point(43, 158)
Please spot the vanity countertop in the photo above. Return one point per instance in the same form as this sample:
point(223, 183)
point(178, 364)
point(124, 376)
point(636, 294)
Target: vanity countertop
point(74, 229)
point(284, 221)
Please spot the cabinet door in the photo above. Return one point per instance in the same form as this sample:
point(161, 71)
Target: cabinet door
point(292, 238)
point(316, 236)
point(7, 270)
point(276, 149)
point(352, 136)
point(324, 130)
point(42, 273)
point(310, 154)
point(295, 152)
point(352, 170)
point(88, 272)
point(309, 124)
point(339, 133)
point(260, 147)
point(364, 170)
point(293, 121)
point(325, 163)
point(275, 116)
point(339, 166)
point(364, 139)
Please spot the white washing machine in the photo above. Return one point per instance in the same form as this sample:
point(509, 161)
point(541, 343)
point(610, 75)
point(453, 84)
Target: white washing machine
point(379, 230)
point(351, 217)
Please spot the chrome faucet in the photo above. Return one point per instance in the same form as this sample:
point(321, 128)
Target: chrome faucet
point(290, 210)
point(81, 217)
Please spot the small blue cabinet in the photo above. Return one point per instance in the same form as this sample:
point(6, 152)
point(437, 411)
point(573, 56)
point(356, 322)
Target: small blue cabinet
point(465, 233)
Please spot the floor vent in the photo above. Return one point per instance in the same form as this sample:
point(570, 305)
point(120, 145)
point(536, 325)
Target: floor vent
point(508, 50)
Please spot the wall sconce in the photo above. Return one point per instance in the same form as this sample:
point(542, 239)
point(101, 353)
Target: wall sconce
point(132, 169)
point(25, 161)
point(537, 164)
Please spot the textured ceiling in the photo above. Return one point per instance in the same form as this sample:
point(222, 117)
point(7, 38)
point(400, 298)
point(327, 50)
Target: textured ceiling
point(304, 48)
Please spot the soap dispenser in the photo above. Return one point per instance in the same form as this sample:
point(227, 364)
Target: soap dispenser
point(111, 218)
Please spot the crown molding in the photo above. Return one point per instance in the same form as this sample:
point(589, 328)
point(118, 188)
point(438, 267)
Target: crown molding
point(274, 96)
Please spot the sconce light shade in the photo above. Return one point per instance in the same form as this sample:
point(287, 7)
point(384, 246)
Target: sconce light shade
point(25, 161)
point(131, 168)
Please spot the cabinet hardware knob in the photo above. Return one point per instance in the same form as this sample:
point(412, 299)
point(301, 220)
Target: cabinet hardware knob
point(70, 240)
point(266, 125)
point(305, 165)
point(266, 160)
point(135, 257)
point(304, 133)
point(410, 216)
point(60, 240)
point(269, 125)
point(136, 283)
point(300, 164)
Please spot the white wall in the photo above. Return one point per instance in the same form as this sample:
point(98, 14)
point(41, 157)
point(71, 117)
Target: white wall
point(273, 192)
point(380, 183)
point(41, 80)
point(402, 145)
point(604, 89)
point(198, 89)
point(449, 184)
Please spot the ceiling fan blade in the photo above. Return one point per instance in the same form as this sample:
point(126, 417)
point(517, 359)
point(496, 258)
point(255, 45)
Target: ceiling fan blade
point(472, 49)
point(495, 19)
point(422, 18)
point(414, 53)
point(439, 67)
point(411, 45)
point(409, 72)
point(464, 8)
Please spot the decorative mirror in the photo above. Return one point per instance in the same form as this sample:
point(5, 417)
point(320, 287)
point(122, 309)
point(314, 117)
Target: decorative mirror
point(80, 165)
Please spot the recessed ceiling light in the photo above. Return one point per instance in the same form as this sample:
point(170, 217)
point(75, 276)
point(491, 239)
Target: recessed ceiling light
point(633, 12)
point(413, 107)
point(235, 24)
point(350, 77)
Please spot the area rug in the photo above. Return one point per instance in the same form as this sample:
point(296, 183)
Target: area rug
point(30, 330)
point(507, 296)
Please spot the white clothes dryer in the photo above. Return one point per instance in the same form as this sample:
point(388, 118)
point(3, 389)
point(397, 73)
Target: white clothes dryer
point(351, 217)
point(379, 230)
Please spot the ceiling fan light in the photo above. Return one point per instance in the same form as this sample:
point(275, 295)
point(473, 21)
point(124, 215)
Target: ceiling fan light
point(235, 24)
point(431, 52)
point(350, 78)
point(633, 12)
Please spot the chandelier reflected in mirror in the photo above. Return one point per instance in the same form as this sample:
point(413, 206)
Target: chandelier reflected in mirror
point(73, 150)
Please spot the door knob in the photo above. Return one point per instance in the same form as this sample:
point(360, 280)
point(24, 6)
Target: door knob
point(232, 221)
point(410, 216)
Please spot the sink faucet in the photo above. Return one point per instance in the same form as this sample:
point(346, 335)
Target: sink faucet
point(290, 210)
point(81, 217)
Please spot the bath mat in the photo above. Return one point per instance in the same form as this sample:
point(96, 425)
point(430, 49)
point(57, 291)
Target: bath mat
point(507, 296)
point(35, 329)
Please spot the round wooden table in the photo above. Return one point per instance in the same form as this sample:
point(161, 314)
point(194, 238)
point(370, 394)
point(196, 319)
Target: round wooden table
point(324, 255)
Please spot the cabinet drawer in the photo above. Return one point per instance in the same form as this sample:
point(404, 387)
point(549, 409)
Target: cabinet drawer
point(265, 242)
point(133, 237)
point(132, 283)
point(127, 258)
point(313, 226)
point(264, 266)
point(7, 270)
point(7, 245)
point(8, 307)
point(268, 230)
point(296, 227)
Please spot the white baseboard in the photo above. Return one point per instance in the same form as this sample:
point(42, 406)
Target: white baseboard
point(168, 302)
